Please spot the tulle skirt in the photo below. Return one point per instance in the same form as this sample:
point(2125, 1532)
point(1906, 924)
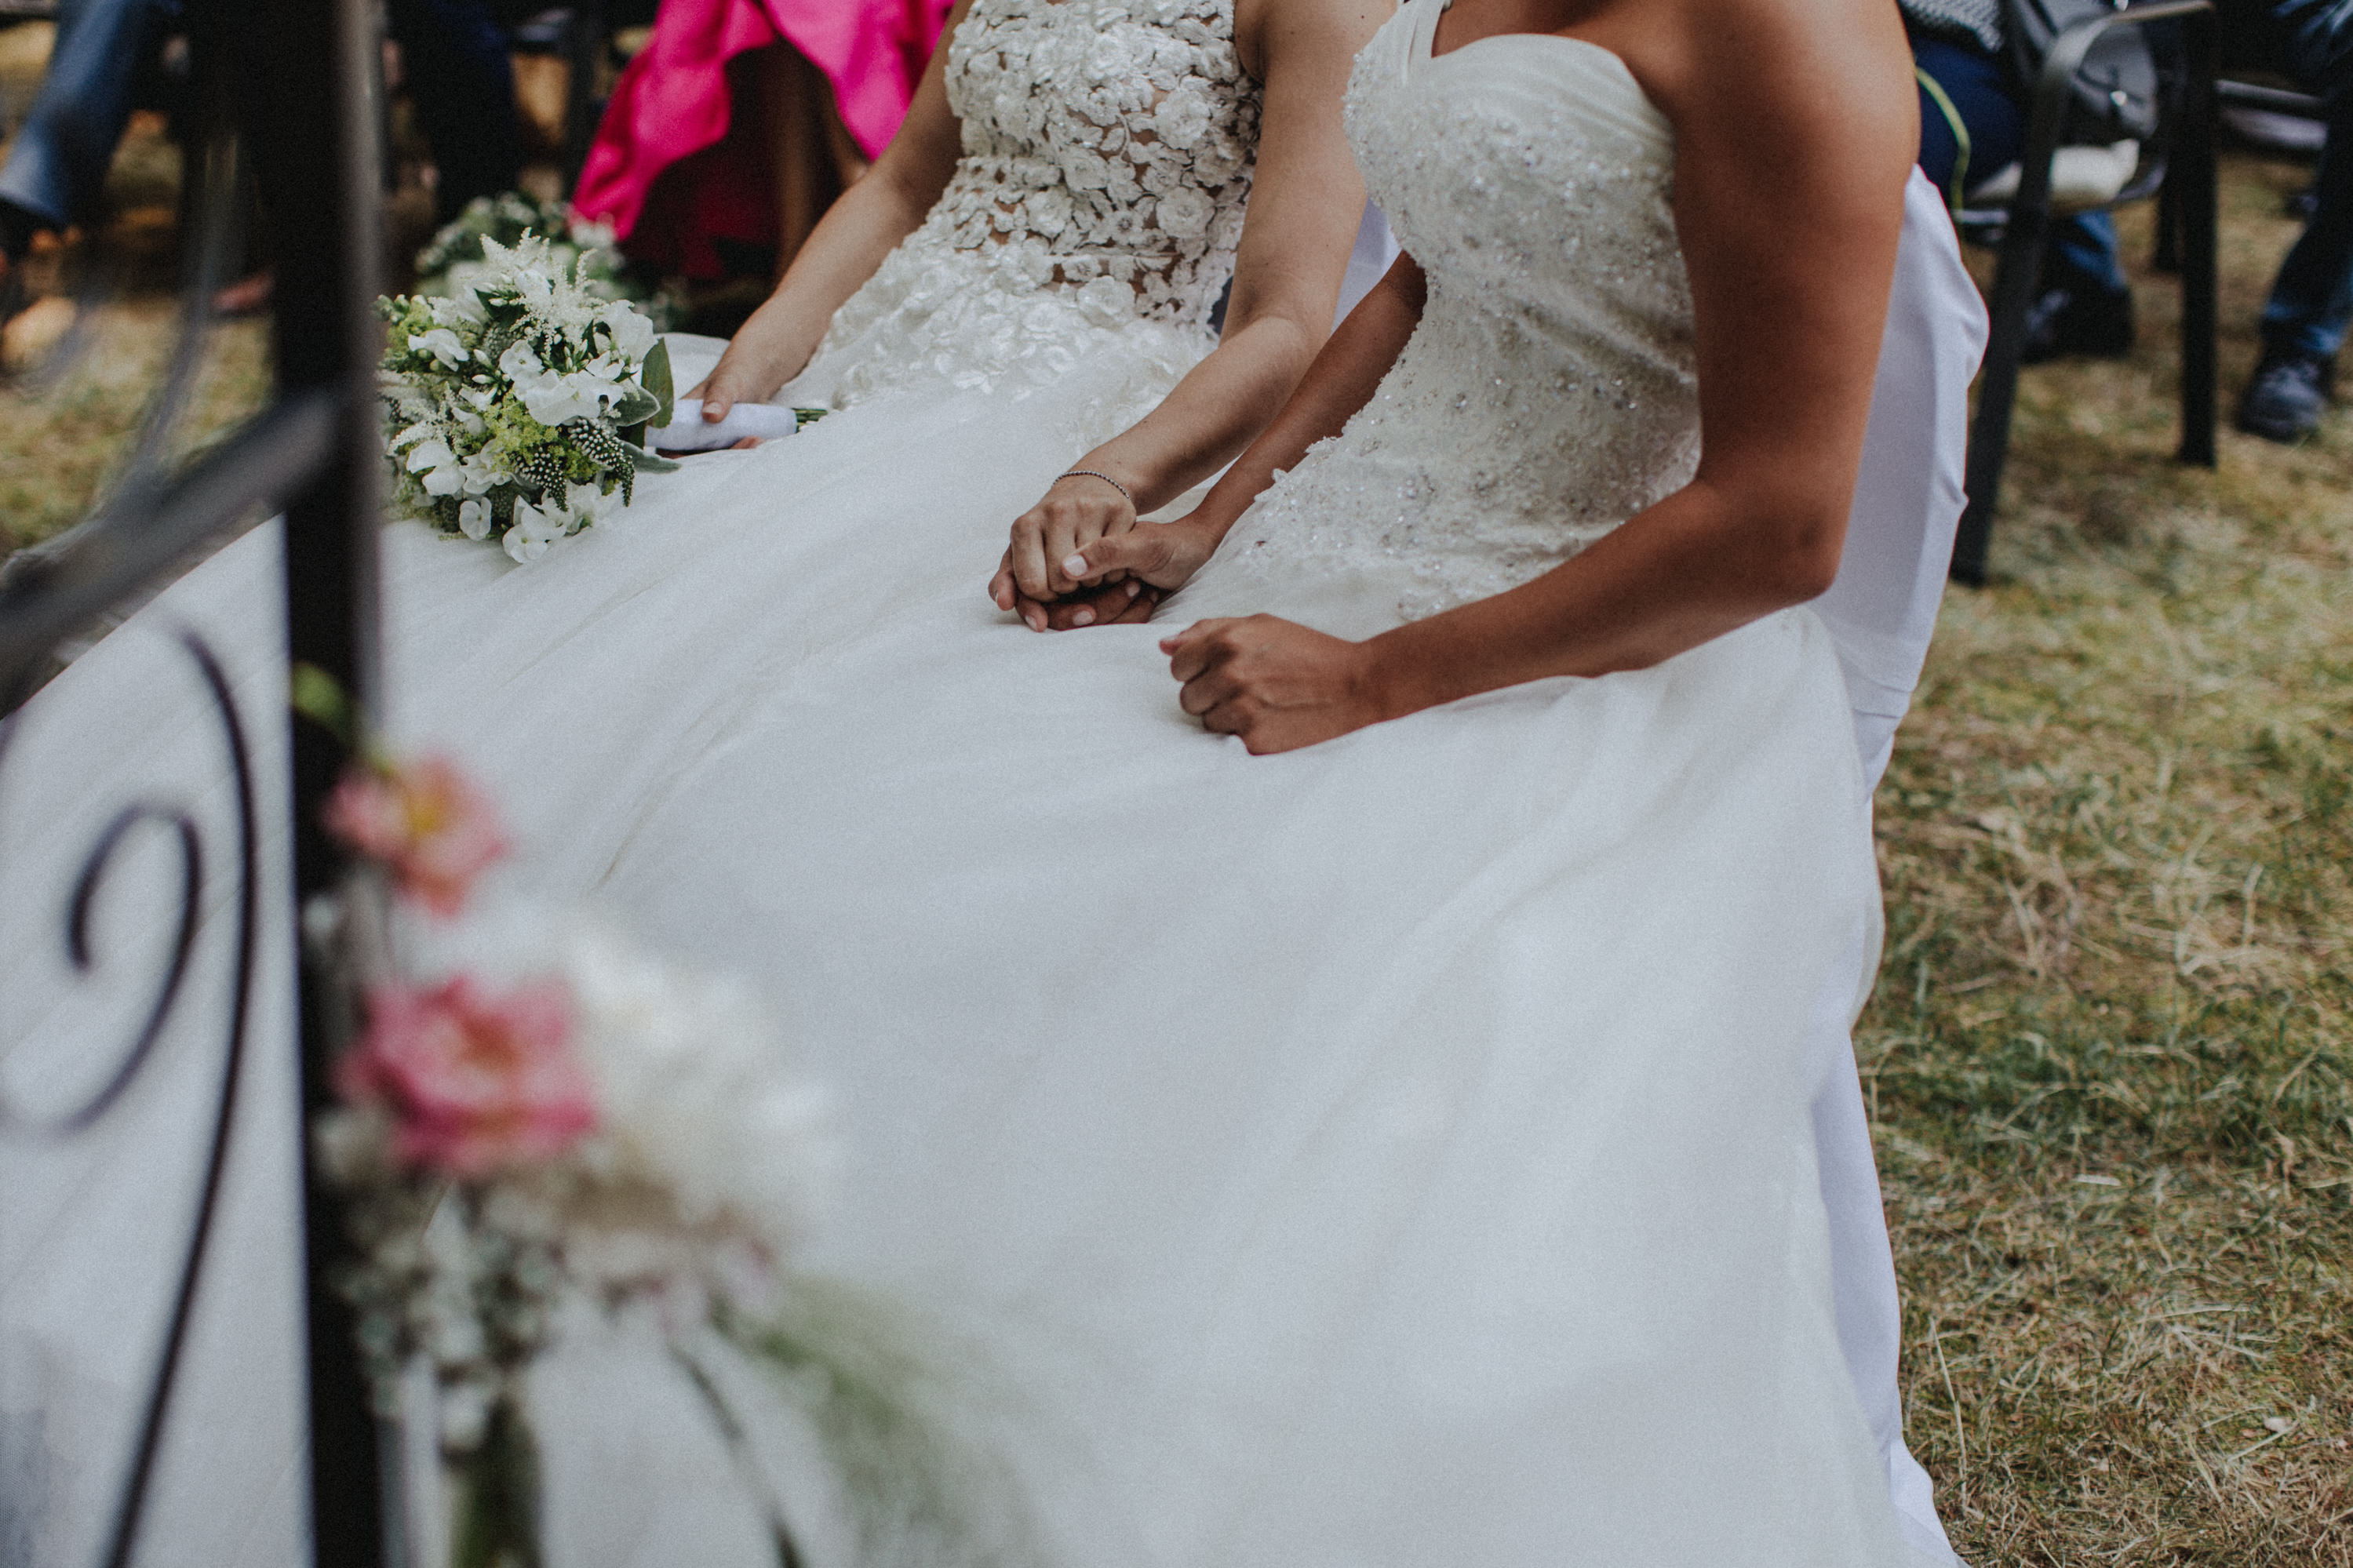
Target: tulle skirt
point(1395, 1151)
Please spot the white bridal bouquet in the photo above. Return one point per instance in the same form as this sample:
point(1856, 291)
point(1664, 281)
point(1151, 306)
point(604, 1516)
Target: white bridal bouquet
point(516, 408)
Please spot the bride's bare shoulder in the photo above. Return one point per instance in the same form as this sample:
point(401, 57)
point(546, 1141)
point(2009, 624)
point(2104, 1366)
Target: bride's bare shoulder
point(1266, 30)
point(1844, 60)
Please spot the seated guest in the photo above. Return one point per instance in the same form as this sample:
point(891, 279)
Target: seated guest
point(57, 170)
point(2311, 300)
point(733, 128)
point(1973, 123)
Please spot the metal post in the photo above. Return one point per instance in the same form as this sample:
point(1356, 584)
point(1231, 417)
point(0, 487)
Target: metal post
point(316, 103)
point(2194, 166)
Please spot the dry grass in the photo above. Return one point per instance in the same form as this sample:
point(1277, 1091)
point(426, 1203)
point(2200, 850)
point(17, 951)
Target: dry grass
point(2108, 1060)
point(63, 434)
point(2109, 1055)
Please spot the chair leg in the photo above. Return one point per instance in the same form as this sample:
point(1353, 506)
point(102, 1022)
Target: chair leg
point(2167, 257)
point(2194, 167)
point(2015, 276)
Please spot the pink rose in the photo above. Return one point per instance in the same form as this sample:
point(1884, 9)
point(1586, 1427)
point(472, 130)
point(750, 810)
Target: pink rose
point(474, 1081)
point(425, 822)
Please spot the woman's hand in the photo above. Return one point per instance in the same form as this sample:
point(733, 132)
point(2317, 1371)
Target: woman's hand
point(1078, 509)
point(1275, 683)
point(1119, 576)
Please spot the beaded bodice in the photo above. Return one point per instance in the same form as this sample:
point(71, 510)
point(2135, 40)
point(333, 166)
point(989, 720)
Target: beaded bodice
point(1548, 393)
point(1108, 146)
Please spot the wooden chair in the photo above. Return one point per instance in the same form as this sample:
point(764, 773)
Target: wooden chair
point(2178, 161)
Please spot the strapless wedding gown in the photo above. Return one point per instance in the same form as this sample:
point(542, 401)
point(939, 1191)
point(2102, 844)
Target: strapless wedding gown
point(1391, 1152)
point(1395, 1151)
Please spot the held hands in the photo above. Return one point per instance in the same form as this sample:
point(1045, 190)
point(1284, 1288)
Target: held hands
point(1275, 683)
point(1080, 558)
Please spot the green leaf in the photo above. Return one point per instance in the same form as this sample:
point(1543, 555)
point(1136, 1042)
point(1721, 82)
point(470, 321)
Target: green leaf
point(805, 417)
point(635, 407)
point(320, 698)
point(655, 377)
point(650, 462)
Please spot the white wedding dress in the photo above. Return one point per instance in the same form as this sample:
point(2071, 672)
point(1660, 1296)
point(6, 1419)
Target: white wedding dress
point(1395, 1152)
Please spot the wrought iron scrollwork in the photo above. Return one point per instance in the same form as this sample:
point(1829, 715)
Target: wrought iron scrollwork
point(186, 832)
point(298, 95)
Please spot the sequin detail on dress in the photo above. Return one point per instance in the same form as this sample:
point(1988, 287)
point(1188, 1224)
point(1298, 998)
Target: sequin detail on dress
point(1108, 147)
point(1548, 393)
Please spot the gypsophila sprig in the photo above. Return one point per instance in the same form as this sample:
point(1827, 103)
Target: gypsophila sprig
point(516, 408)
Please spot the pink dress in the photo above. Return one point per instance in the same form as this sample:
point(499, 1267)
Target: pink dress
point(673, 104)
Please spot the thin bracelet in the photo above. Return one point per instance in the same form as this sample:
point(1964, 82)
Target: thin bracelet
point(1091, 474)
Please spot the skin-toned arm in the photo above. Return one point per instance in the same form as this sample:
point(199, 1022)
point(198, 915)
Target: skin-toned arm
point(1789, 260)
point(1306, 200)
point(842, 252)
point(1162, 555)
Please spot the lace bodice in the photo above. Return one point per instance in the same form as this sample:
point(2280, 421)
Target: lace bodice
point(1108, 146)
point(1548, 393)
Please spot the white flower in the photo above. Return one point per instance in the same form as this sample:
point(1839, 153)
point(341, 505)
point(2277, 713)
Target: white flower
point(533, 531)
point(474, 519)
point(692, 1095)
point(1085, 171)
point(1185, 212)
point(1182, 117)
point(1107, 302)
point(442, 343)
point(1049, 212)
point(632, 334)
point(520, 361)
point(586, 503)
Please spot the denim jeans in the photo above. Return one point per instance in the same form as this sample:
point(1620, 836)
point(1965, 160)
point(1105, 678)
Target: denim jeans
point(57, 170)
point(2083, 252)
point(2311, 297)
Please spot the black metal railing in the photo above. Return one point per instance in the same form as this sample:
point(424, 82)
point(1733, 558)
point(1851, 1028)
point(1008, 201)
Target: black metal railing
point(294, 86)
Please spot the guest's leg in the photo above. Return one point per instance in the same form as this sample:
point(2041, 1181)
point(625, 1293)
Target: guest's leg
point(453, 59)
point(57, 170)
point(2311, 300)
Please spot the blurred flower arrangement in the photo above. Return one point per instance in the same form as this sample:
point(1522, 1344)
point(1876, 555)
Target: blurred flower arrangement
point(534, 1108)
point(516, 407)
point(453, 259)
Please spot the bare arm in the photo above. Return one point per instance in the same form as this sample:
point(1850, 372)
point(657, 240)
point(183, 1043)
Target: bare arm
point(1342, 379)
point(1789, 261)
point(1306, 199)
point(862, 228)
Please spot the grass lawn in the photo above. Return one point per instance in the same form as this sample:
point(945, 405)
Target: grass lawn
point(2108, 1059)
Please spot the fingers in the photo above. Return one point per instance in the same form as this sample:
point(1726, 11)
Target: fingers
point(1001, 588)
point(1197, 648)
point(1112, 602)
point(1027, 553)
point(1143, 549)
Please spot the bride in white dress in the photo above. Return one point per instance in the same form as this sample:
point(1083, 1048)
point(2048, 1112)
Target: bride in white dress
point(1396, 1150)
point(1392, 1152)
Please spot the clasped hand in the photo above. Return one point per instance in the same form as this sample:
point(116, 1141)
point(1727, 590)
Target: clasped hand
point(1080, 558)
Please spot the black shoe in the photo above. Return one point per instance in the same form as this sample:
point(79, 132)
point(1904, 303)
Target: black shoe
point(2093, 324)
point(2284, 400)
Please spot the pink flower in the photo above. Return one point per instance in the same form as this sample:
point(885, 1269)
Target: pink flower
point(425, 821)
point(474, 1081)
